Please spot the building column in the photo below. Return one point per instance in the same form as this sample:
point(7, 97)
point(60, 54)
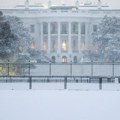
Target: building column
point(41, 36)
point(86, 36)
point(49, 38)
point(79, 36)
point(69, 40)
point(37, 36)
point(59, 41)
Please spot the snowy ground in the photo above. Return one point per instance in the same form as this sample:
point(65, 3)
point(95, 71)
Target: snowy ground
point(60, 86)
point(59, 105)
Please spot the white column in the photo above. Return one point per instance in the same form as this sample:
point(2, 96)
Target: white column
point(49, 39)
point(59, 41)
point(37, 36)
point(86, 36)
point(41, 36)
point(69, 39)
point(89, 33)
point(79, 36)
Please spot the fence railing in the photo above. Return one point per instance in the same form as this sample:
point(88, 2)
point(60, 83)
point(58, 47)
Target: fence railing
point(69, 69)
point(65, 80)
point(83, 73)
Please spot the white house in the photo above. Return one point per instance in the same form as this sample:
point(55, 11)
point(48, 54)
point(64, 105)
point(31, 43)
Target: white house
point(63, 32)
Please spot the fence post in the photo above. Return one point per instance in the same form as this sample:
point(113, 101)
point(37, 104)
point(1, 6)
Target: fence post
point(8, 67)
point(50, 69)
point(30, 82)
point(71, 68)
point(100, 83)
point(65, 82)
point(113, 68)
point(91, 68)
point(29, 68)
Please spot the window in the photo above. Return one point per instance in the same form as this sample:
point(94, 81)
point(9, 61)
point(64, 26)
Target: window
point(74, 28)
point(53, 59)
point(64, 45)
point(64, 28)
point(64, 59)
point(53, 45)
point(95, 28)
point(74, 45)
point(32, 46)
point(82, 45)
point(45, 28)
point(54, 28)
point(83, 28)
point(75, 59)
point(45, 45)
point(32, 28)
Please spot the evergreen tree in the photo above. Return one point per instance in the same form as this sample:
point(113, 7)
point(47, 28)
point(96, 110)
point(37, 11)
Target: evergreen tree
point(13, 36)
point(107, 39)
point(7, 38)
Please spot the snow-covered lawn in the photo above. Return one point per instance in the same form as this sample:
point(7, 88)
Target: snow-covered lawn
point(60, 86)
point(59, 105)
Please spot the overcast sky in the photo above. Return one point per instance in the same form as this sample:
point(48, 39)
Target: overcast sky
point(12, 3)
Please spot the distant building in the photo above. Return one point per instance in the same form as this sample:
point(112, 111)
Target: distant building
point(63, 32)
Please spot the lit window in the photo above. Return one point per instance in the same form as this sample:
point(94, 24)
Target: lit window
point(32, 46)
point(82, 46)
point(64, 45)
point(45, 45)
point(64, 59)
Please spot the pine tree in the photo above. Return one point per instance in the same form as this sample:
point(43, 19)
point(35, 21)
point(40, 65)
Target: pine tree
point(13, 35)
point(108, 39)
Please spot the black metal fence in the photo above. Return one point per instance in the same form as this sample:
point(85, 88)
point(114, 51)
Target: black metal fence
point(98, 80)
point(57, 69)
point(87, 73)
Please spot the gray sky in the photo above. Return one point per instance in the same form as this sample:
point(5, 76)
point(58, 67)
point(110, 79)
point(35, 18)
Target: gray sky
point(12, 3)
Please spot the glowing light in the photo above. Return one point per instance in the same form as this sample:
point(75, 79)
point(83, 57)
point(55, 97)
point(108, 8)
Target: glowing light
point(44, 46)
point(64, 45)
point(82, 46)
point(64, 59)
point(32, 45)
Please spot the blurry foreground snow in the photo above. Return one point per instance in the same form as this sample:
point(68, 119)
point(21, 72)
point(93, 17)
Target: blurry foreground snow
point(59, 105)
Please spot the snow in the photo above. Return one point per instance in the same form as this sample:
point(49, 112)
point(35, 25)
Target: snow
point(59, 105)
point(60, 86)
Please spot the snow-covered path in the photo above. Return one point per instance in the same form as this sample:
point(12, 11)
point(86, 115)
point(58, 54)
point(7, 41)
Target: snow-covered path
point(59, 105)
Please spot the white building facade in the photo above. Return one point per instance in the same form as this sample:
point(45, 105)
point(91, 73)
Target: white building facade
point(63, 32)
